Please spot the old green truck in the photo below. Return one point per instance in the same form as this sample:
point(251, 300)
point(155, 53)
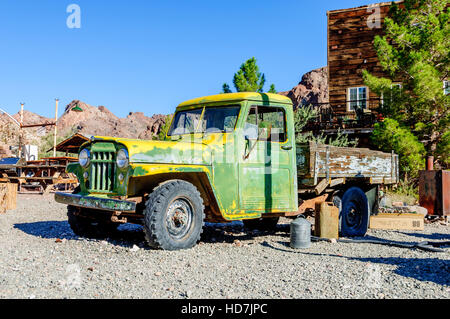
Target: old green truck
point(227, 157)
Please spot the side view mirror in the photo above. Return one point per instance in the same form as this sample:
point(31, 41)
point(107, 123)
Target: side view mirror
point(264, 131)
point(264, 134)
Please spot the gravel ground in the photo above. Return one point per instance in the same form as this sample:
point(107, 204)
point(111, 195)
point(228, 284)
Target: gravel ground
point(40, 257)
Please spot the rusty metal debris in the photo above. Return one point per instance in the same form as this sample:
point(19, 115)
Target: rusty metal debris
point(434, 192)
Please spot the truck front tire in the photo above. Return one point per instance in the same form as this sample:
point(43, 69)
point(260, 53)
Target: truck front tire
point(354, 213)
point(174, 216)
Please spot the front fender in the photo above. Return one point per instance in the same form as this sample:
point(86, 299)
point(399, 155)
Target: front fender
point(145, 177)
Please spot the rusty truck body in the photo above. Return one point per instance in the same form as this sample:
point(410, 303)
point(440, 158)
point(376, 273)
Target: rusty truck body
point(226, 157)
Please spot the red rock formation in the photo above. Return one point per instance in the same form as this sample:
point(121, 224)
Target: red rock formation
point(312, 89)
point(102, 122)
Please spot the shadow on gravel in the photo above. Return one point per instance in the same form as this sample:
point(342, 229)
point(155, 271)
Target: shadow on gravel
point(435, 236)
point(422, 269)
point(126, 235)
point(229, 233)
point(48, 229)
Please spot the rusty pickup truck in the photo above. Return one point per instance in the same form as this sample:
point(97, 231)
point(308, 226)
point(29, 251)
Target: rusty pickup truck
point(226, 158)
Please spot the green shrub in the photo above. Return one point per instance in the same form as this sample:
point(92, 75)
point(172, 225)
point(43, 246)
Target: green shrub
point(389, 135)
point(165, 128)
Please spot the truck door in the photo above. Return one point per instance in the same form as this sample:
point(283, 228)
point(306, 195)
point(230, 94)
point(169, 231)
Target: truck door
point(265, 182)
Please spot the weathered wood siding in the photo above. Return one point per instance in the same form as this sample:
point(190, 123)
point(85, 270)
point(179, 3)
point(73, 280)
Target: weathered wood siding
point(351, 33)
point(316, 161)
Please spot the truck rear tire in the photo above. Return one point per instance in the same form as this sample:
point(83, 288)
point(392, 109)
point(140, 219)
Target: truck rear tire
point(354, 213)
point(174, 216)
point(266, 224)
point(89, 227)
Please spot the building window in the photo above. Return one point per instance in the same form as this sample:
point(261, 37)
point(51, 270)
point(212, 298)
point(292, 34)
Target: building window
point(446, 87)
point(357, 98)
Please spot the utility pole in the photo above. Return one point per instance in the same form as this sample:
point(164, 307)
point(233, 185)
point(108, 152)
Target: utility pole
point(21, 130)
point(56, 127)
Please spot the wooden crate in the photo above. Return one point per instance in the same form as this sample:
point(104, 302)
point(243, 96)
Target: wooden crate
point(397, 222)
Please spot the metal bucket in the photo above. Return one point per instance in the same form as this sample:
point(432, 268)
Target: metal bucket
point(300, 233)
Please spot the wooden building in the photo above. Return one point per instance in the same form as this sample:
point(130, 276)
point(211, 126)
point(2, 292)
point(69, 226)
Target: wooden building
point(351, 33)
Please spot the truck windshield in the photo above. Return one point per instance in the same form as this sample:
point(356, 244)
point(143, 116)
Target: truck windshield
point(221, 119)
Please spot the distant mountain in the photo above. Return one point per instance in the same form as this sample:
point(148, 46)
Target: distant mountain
point(100, 121)
point(92, 120)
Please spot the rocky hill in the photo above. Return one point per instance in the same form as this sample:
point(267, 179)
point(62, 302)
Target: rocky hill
point(93, 120)
point(102, 122)
point(312, 89)
point(9, 130)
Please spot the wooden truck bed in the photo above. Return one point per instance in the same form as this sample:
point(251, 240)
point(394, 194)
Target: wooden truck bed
point(329, 164)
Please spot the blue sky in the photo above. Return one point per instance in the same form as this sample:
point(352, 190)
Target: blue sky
point(149, 56)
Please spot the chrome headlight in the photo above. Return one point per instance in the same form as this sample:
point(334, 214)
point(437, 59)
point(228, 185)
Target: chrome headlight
point(122, 158)
point(84, 157)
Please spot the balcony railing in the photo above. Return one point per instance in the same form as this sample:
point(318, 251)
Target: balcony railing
point(328, 119)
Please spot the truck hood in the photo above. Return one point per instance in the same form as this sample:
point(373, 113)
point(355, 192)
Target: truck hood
point(164, 152)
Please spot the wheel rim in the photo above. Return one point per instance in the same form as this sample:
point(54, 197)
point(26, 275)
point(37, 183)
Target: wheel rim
point(179, 218)
point(353, 216)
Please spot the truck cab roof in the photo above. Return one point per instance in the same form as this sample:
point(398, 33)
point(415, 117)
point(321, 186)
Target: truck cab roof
point(237, 97)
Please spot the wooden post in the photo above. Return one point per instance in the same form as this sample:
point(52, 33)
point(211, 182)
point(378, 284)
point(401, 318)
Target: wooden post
point(21, 130)
point(56, 127)
point(11, 196)
point(8, 197)
point(3, 192)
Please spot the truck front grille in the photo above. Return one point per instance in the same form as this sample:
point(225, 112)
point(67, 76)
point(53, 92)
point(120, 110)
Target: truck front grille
point(102, 172)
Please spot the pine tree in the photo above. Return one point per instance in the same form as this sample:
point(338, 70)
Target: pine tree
point(248, 79)
point(415, 51)
point(272, 89)
point(226, 88)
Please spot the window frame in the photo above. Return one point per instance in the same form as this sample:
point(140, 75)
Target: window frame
point(203, 108)
point(446, 86)
point(275, 107)
point(350, 101)
point(221, 107)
